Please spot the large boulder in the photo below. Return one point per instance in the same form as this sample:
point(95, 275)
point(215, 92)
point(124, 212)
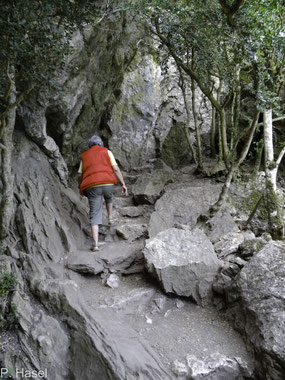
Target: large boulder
point(182, 206)
point(184, 262)
point(149, 186)
point(257, 304)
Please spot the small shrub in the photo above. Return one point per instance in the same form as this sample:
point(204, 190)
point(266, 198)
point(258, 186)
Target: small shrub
point(10, 318)
point(7, 283)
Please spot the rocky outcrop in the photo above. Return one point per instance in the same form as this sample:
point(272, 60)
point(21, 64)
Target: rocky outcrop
point(150, 112)
point(117, 257)
point(114, 87)
point(183, 206)
point(149, 186)
point(184, 262)
point(218, 366)
point(256, 301)
point(61, 123)
point(57, 330)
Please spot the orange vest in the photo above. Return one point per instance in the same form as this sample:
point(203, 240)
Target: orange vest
point(96, 168)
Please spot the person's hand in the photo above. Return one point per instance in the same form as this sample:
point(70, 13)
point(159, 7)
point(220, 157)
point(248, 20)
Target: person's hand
point(124, 190)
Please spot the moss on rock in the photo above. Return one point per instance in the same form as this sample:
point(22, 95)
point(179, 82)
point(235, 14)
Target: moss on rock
point(175, 148)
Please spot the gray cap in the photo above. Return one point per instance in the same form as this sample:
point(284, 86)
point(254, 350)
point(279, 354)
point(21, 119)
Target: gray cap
point(95, 140)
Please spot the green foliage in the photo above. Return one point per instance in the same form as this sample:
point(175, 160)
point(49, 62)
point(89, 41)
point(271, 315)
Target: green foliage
point(201, 36)
point(251, 201)
point(7, 283)
point(11, 319)
point(35, 37)
point(8, 314)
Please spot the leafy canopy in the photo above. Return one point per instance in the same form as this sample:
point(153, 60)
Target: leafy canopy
point(202, 34)
point(35, 35)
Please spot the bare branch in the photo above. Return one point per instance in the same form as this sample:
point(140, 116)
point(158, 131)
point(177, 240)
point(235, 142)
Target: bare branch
point(281, 154)
point(273, 120)
point(16, 103)
point(3, 147)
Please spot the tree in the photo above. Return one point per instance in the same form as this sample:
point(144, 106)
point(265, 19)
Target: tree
point(262, 23)
point(203, 45)
point(34, 42)
point(238, 44)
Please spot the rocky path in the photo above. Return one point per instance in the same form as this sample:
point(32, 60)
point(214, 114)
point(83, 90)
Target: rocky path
point(113, 282)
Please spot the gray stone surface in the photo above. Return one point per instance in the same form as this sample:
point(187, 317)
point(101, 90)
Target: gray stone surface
point(149, 112)
point(114, 257)
point(99, 349)
point(48, 216)
point(257, 303)
point(222, 224)
point(113, 281)
point(44, 335)
point(228, 244)
point(218, 367)
point(123, 257)
point(131, 211)
point(132, 232)
point(250, 247)
point(182, 206)
point(179, 369)
point(149, 186)
point(85, 262)
point(184, 262)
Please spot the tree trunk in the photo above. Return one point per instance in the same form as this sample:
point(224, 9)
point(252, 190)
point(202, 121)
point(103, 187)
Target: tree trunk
point(223, 127)
point(188, 118)
point(232, 112)
point(6, 139)
point(213, 133)
point(275, 220)
point(198, 137)
point(235, 165)
point(258, 158)
point(220, 144)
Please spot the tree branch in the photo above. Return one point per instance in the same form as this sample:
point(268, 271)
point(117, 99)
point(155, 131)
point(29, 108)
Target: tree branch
point(230, 11)
point(281, 154)
point(273, 120)
point(236, 6)
point(16, 103)
point(3, 147)
point(7, 93)
point(187, 69)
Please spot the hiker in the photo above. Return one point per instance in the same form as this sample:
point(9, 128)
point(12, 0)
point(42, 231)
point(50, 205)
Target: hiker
point(97, 175)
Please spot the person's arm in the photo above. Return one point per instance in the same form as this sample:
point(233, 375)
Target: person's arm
point(119, 175)
point(80, 176)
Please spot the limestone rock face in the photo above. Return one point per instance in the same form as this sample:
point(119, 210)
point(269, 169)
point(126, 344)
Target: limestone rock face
point(148, 117)
point(61, 124)
point(257, 300)
point(114, 88)
point(184, 262)
point(58, 330)
point(149, 186)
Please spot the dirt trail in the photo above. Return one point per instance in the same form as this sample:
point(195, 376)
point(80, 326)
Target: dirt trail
point(174, 327)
